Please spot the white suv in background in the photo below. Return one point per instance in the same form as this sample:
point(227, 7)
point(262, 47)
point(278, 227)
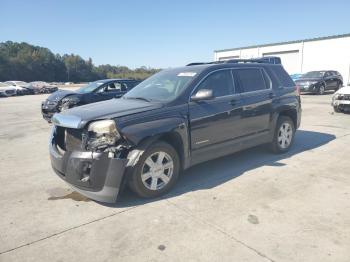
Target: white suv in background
point(341, 100)
point(7, 90)
point(20, 86)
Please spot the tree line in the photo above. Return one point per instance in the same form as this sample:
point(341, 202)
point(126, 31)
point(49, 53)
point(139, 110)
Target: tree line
point(25, 62)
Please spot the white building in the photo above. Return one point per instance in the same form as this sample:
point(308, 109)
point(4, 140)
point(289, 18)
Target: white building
point(301, 56)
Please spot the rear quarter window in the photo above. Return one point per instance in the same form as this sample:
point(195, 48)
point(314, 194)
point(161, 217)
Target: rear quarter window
point(282, 76)
point(251, 79)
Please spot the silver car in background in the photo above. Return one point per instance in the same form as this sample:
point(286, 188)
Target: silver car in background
point(20, 86)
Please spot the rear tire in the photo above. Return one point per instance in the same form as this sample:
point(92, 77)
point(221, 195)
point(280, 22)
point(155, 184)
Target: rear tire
point(284, 135)
point(339, 85)
point(336, 109)
point(156, 172)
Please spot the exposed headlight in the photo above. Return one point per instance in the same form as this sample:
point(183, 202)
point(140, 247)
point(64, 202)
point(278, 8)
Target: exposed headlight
point(68, 102)
point(102, 134)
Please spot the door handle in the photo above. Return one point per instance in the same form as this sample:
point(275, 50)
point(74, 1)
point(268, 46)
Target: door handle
point(272, 95)
point(233, 102)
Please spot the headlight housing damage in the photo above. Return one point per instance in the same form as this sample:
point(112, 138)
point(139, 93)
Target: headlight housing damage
point(102, 134)
point(68, 102)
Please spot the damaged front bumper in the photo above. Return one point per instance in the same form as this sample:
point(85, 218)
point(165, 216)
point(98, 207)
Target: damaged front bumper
point(48, 109)
point(95, 175)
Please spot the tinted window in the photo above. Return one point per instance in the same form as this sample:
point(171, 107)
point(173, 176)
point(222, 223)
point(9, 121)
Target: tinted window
point(113, 87)
point(220, 82)
point(284, 79)
point(131, 84)
point(251, 79)
point(327, 74)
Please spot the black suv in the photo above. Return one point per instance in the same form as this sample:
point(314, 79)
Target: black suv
point(94, 92)
point(173, 120)
point(320, 81)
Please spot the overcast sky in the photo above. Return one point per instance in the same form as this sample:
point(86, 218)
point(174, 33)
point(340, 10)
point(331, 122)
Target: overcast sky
point(165, 33)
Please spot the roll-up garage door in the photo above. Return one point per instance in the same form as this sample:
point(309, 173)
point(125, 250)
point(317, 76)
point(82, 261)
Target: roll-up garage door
point(290, 60)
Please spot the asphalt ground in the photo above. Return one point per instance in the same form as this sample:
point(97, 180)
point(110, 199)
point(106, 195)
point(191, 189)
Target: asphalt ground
point(249, 206)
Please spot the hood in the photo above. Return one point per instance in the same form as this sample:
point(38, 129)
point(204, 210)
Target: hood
point(344, 90)
point(77, 117)
point(308, 79)
point(4, 88)
point(58, 95)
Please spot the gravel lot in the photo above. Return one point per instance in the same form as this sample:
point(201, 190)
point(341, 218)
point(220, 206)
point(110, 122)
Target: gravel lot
point(250, 206)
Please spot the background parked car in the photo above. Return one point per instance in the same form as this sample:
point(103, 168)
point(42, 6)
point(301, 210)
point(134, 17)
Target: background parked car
point(20, 86)
point(320, 81)
point(7, 90)
point(341, 100)
point(38, 87)
point(93, 92)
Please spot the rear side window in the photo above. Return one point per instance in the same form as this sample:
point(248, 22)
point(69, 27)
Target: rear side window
point(220, 82)
point(131, 84)
point(282, 76)
point(251, 79)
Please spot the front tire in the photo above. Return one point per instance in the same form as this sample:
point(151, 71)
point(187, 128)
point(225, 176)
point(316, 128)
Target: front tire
point(156, 171)
point(284, 135)
point(321, 89)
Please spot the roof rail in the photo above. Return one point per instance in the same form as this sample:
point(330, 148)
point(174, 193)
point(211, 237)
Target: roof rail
point(265, 60)
point(196, 63)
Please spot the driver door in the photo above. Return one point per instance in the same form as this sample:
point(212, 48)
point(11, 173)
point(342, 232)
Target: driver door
point(215, 122)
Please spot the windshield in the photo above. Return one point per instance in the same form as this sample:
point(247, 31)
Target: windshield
point(313, 74)
point(163, 86)
point(90, 87)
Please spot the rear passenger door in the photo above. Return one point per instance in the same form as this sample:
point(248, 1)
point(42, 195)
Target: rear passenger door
point(256, 92)
point(330, 80)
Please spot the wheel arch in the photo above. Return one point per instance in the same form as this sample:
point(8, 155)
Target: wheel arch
point(292, 114)
point(173, 131)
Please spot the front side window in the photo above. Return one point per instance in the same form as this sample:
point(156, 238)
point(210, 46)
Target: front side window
point(112, 87)
point(251, 79)
point(220, 82)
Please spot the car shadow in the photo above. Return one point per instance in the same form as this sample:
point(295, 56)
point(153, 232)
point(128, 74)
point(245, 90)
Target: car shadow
point(216, 172)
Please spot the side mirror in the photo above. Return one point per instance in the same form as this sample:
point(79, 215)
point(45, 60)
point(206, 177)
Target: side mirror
point(203, 94)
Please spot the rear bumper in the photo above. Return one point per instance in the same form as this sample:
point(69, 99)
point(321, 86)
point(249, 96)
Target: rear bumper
point(94, 175)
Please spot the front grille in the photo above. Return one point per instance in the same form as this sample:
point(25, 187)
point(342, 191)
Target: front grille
point(69, 139)
point(344, 97)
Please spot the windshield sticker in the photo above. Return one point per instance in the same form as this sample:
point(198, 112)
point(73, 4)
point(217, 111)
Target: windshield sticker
point(191, 74)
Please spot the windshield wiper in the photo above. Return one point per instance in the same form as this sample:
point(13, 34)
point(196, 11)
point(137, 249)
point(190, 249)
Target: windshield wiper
point(138, 98)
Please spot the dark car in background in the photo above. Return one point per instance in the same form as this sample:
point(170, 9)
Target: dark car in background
point(41, 87)
point(94, 92)
point(173, 120)
point(319, 82)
